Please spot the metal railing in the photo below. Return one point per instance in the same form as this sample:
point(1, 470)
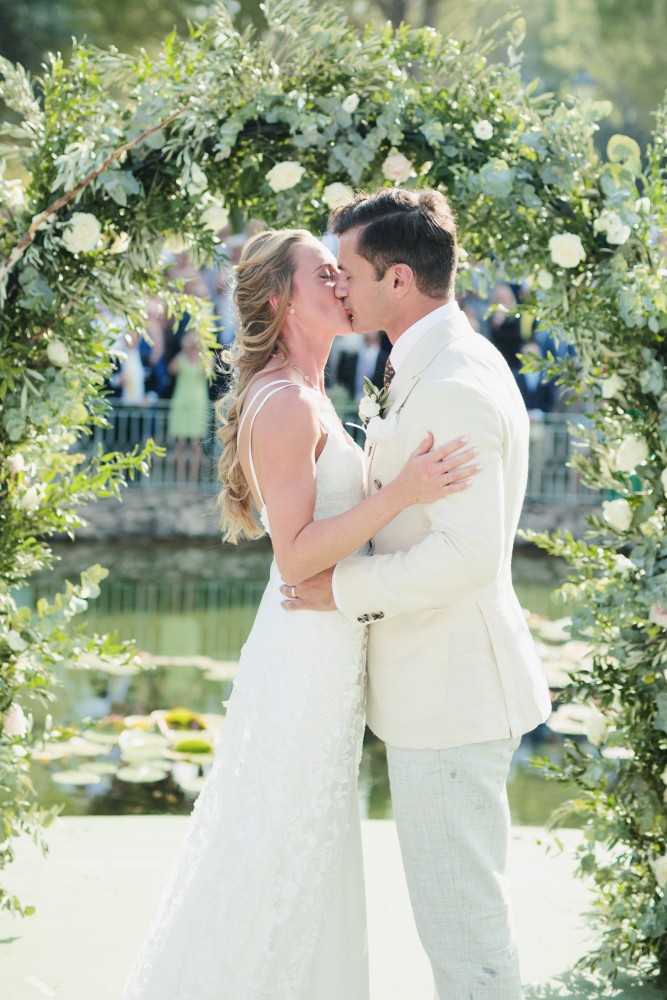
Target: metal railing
point(551, 479)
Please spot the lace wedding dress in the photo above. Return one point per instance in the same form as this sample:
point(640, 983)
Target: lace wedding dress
point(266, 898)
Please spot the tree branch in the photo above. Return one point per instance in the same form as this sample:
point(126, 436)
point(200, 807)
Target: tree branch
point(55, 206)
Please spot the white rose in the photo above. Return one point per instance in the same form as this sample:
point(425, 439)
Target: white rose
point(618, 233)
point(16, 463)
point(57, 353)
point(623, 565)
point(381, 430)
point(351, 103)
point(284, 175)
point(15, 641)
point(15, 194)
point(632, 451)
point(120, 243)
point(396, 167)
point(612, 386)
point(663, 480)
point(659, 867)
point(545, 280)
point(658, 615)
point(566, 249)
point(82, 234)
point(368, 408)
point(14, 722)
point(337, 194)
point(611, 224)
point(643, 205)
point(597, 727)
point(653, 525)
point(617, 514)
point(215, 217)
point(29, 500)
point(197, 182)
point(483, 129)
point(175, 243)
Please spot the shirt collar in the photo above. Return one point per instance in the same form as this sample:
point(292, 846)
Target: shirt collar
point(409, 337)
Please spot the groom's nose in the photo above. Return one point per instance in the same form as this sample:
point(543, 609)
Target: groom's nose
point(340, 287)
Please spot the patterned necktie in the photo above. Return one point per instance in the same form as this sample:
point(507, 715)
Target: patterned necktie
point(388, 374)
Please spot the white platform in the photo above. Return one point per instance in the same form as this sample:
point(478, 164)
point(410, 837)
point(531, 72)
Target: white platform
point(96, 892)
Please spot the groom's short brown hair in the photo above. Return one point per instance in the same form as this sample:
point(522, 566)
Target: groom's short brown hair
point(416, 228)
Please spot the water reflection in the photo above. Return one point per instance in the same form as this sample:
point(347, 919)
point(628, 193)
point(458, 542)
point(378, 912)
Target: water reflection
point(199, 601)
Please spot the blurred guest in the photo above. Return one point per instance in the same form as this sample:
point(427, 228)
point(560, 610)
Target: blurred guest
point(505, 325)
point(131, 376)
point(538, 394)
point(189, 411)
point(368, 362)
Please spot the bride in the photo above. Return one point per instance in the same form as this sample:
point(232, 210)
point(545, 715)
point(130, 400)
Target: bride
point(266, 898)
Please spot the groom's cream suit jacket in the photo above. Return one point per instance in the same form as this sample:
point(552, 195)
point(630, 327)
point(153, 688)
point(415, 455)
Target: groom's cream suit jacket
point(450, 658)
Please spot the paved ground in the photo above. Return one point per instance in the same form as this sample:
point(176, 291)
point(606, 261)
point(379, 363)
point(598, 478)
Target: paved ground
point(97, 889)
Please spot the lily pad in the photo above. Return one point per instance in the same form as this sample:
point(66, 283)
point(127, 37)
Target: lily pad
point(100, 737)
point(105, 766)
point(73, 777)
point(142, 774)
point(193, 747)
point(192, 785)
point(182, 719)
point(139, 743)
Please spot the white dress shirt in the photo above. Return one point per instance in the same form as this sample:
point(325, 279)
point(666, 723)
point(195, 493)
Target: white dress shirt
point(409, 337)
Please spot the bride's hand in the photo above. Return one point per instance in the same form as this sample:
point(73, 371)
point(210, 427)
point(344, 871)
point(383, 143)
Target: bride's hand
point(432, 474)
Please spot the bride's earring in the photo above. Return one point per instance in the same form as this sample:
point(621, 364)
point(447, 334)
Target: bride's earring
point(292, 310)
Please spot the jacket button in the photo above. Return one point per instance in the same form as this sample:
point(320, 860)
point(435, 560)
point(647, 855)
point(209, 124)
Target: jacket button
point(377, 484)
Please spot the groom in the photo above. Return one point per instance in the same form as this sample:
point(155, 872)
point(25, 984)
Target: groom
point(453, 677)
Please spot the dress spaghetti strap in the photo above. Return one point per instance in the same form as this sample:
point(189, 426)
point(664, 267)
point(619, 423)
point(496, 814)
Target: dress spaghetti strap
point(275, 387)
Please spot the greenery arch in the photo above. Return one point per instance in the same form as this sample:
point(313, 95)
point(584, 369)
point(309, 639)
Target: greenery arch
point(108, 154)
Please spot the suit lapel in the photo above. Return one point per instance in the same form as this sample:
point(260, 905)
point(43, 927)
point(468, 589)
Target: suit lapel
point(425, 351)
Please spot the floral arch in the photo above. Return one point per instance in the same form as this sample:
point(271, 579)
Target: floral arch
point(106, 155)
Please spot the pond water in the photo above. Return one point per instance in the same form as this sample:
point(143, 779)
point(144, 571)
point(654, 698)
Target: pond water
point(193, 606)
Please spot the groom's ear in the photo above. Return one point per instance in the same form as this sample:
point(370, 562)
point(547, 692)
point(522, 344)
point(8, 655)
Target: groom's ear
point(402, 279)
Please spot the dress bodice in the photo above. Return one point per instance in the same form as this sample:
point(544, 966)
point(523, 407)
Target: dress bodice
point(339, 469)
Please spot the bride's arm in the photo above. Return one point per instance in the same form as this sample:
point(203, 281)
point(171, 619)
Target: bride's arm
point(286, 439)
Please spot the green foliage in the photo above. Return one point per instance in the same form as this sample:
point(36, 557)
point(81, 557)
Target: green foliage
point(112, 154)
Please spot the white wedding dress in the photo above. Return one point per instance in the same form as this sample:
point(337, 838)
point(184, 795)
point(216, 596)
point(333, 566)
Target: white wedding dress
point(266, 898)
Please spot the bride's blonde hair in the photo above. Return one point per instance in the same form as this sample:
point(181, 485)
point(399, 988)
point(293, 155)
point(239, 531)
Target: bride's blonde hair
point(264, 272)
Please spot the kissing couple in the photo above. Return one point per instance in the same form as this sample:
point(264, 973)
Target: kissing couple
point(390, 599)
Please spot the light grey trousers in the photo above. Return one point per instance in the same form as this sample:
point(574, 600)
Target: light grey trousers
point(453, 823)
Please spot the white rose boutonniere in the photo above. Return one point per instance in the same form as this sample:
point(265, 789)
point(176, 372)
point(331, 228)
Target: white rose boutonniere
point(382, 429)
point(371, 412)
point(372, 403)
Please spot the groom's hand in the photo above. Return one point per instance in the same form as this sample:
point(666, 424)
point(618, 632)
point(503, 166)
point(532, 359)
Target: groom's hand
point(314, 594)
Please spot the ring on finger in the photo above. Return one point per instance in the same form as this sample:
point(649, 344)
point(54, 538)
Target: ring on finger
point(293, 591)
